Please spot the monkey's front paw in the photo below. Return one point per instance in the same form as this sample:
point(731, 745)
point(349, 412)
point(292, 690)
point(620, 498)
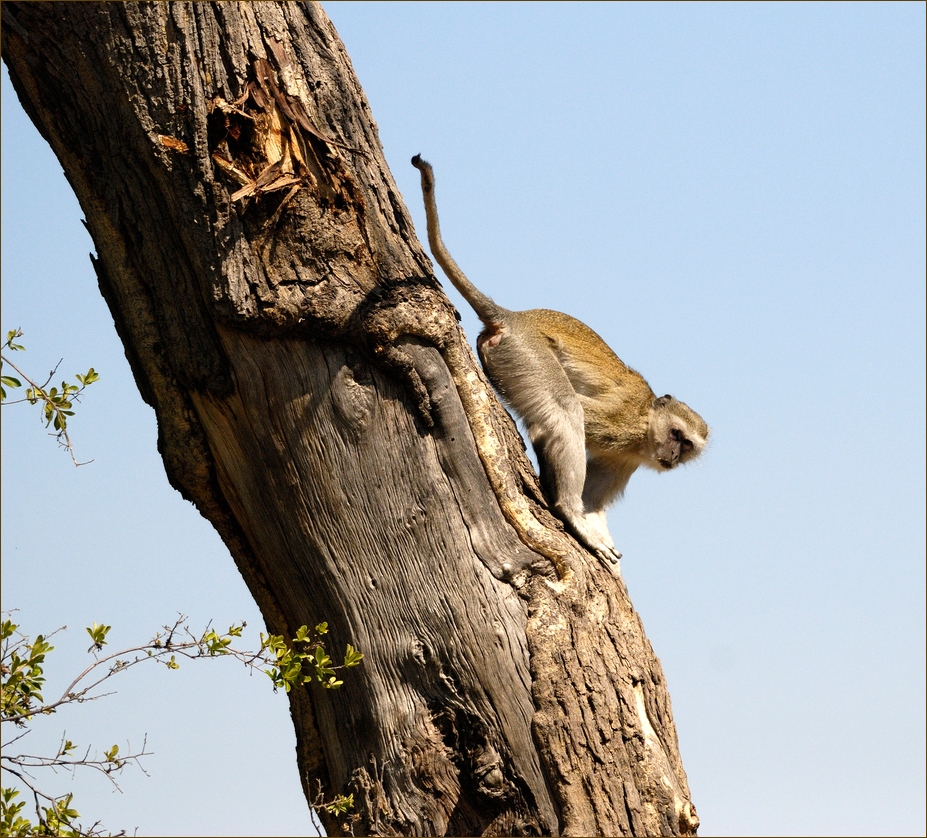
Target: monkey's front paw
point(609, 557)
point(609, 553)
point(602, 545)
point(593, 534)
point(603, 548)
point(599, 539)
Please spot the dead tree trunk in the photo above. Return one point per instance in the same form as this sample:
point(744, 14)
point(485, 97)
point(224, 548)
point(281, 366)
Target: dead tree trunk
point(318, 403)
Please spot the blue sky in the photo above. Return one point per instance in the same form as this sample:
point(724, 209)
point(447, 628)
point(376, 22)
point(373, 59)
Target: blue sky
point(733, 196)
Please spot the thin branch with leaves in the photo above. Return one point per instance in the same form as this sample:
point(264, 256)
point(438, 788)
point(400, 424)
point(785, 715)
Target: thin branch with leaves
point(301, 661)
point(57, 405)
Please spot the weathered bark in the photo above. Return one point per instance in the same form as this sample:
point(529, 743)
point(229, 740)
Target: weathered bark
point(318, 403)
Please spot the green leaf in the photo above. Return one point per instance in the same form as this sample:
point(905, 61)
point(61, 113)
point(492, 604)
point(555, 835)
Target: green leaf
point(89, 378)
point(11, 336)
point(352, 657)
point(98, 635)
point(340, 804)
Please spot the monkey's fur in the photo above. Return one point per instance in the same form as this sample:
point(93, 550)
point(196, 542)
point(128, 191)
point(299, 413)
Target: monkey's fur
point(592, 420)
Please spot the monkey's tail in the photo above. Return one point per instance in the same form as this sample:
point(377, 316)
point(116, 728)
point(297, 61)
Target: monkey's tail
point(484, 307)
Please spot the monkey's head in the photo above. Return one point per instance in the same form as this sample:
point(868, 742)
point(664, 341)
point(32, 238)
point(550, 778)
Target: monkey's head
point(676, 433)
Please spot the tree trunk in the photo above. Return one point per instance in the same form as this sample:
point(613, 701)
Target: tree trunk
point(318, 402)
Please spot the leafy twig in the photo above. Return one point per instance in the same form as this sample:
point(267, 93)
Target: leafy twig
point(21, 664)
point(56, 404)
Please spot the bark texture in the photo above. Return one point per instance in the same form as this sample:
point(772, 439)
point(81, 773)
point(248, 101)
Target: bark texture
point(318, 402)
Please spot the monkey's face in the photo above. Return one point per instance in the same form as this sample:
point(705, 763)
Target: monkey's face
point(673, 448)
point(677, 433)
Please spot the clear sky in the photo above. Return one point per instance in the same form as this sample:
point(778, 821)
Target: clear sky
point(733, 197)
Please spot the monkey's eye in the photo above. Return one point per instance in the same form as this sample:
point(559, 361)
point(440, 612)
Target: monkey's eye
point(676, 434)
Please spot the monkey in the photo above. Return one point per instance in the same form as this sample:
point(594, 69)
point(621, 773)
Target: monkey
point(592, 420)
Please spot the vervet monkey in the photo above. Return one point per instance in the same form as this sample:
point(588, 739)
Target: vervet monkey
point(591, 419)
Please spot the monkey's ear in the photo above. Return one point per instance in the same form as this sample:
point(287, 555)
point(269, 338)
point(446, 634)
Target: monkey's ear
point(663, 400)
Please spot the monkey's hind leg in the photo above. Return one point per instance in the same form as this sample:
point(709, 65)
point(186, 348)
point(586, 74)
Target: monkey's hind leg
point(605, 481)
point(557, 433)
point(530, 378)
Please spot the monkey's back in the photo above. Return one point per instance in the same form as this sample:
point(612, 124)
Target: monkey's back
point(558, 328)
point(616, 399)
